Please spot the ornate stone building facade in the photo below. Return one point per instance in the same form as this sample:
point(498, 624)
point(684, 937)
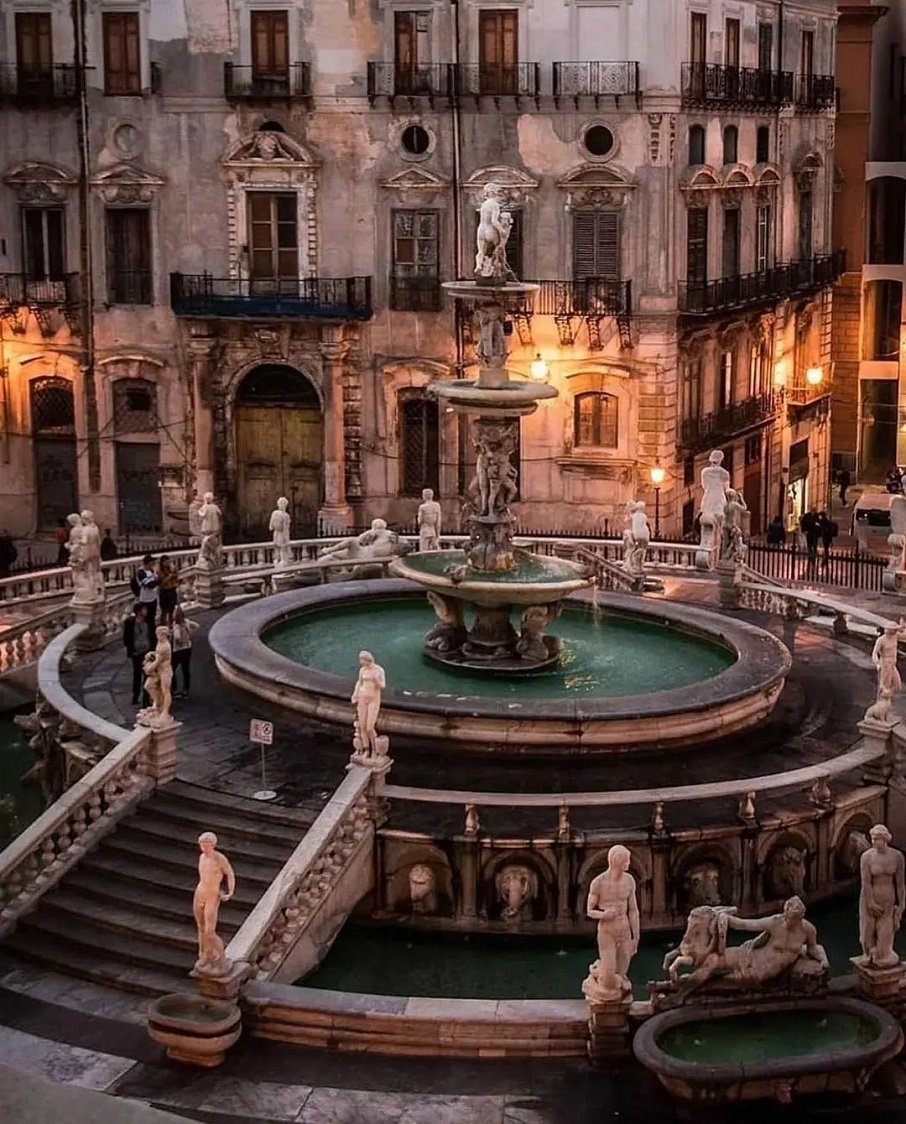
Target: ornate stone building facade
point(227, 274)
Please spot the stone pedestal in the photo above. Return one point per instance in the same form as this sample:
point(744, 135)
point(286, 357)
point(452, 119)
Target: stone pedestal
point(222, 985)
point(884, 986)
point(609, 1033)
point(879, 735)
point(209, 588)
point(728, 590)
point(335, 519)
point(91, 614)
point(164, 752)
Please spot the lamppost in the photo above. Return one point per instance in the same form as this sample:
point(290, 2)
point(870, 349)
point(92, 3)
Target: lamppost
point(657, 473)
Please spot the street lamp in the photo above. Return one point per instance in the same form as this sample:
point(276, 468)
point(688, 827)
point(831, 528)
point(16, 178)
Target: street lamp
point(814, 376)
point(539, 368)
point(658, 474)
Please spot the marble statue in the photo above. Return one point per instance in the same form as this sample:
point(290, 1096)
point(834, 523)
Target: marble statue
point(158, 668)
point(449, 632)
point(210, 554)
point(636, 538)
point(612, 902)
point(733, 543)
point(366, 698)
point(715, 482)
point(371, 546)
point(884, 657)
point(785, 941)
point(786, 872)
point(82, 588)
point(702, 883)
point(195, 520)
point(535, 619)
point(881, 900)
point(517, 888)
point(280, 524)
point(494, 227)
point(896, 540)
point(213, 867)
point(428, 521)
point(91, 542)
point(422, 889)
point(492, 348)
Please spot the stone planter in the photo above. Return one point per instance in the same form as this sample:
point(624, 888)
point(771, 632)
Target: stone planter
point(194, 1029)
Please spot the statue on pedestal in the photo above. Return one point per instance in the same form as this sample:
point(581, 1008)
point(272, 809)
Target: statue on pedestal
point(366, 698)
point(733, 541)
point(491, 349)
point(83, 591)
point(494, 226)
point(91, 542)
point(715, 482)
point(884, 657)
point(636, 538)
point(210, 555)
point(612, 902)
point(881, 900)
point(213, 867)
point(370, 546)
point(158, 668)
point(429, 516)
point(280, 527)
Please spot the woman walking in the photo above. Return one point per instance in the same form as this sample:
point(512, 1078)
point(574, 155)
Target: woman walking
point(181, 639)
point(167, 586)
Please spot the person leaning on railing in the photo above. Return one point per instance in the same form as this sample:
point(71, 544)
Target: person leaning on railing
point(167, 586)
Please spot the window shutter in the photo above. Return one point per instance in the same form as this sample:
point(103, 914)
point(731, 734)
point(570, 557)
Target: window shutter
point(596, 244)
point(697, 246)
point(34, 54)
point(403, 29)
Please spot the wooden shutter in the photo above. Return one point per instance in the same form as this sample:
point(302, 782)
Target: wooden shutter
point(498, 51)
point(270, 44)
point(765, 46)
point(596, 244)
point(404, 39)
point(731, 43)
point(129, 255)
point(122, 56)
point(698, 36)
point(42, 234)
point(697, 246)
point(805, 224)
point(34, 49)
point(807, 54)
point(273, 235)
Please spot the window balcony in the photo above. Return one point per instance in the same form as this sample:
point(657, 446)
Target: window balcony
point(248, 83)
point(595, 80)
point(315, 298)
point(520, 81)
point(18, 290)
point(37, 87)
point(387, 80)
point(591, 296)
point(743, 87)
point(815, 91)
point(747, 290)
point(730, 421)
point(415, 294)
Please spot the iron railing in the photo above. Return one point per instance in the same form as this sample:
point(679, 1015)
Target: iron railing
point(37, 87)
point(590, 296)
point(852, 568)
point(248, 83)
point(712, 429)
point(815, 91)
point(388, 80)
point(708, 83)
point(18, 290)
point(323, 298)
point(596, 80)
point(522, 80)
point(415, 294)
point(747, 289)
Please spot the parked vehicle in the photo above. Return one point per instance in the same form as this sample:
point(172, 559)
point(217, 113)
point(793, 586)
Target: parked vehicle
point(871, 521)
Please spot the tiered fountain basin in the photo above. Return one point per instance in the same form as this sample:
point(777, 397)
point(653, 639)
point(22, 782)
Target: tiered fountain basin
point(631, 676)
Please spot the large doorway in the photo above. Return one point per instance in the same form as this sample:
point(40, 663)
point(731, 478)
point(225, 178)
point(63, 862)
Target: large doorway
point(279, 449)
point(53, 430)
point(136, 427)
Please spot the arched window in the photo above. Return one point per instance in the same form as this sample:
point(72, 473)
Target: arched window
point(52, 408)
point(134, 406)
point(696, 144)
point(595, 420)
point(419, 442)
point(731, 144)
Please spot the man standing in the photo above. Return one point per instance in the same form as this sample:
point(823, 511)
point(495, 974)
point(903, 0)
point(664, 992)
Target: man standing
point(843, 480)
point(810, 526)
point(828, 534)
point(144, 586)
point(881, 900)
point(137, 642)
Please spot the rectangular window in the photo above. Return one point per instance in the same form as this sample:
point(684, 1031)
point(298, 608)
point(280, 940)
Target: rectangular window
point(412, 52)
point(270, 45)
point(762, 144)
point(725, 381)
point(596, 420)
point(34, 51)
point(731, 43)
point(730, 245)
point(805, 225)
point(122, 57)
point(415, 283)
point(273, 239)
point(43, 256)
point(419, 423)
point(753, 449)
point(498, 52)
point(698, 38)
point(596, 244)
point(692, 391)
point(807, 54)
point(128, 255)
point(763, 228)
point(697, 246)
point(765, 46)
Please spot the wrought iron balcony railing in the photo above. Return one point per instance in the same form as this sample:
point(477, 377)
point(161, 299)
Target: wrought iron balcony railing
point(415, 294)
point(248, 83)
point(712, 429)
point(591, 296)
point(522, 80)
point(37, 87)
point(388, 80)
point(18, 290)
point(815, 91)
point(748, 289)
point(707, 83)
point(578, 80)
point(319, 298)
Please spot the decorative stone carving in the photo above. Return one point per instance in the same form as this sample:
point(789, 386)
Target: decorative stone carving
point(490, 493)
point(492, 348)
point(715, 481)
point(85, 570)
point(532, 644)
point(850, 851)
point(786, 870)
point(429, 517)
point(449, 634)
point(366, 698)
point(371, 546)
point(158, 668)
point(35, 182)
point(596, 186)
point(734, 547)
point(702, 884)
point(473, 823)
point(612, 902)
point(127, 184)
point(884, 657)
point(517, 888)
point(422, 889)
point(213, 868)
point(210, 554)
point(654, 136)
point(280, 525)
point(41, 729)
point(786, 946)
point(636, 538)
point(881, 900)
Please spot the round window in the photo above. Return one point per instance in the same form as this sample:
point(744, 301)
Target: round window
point(598, 140)
point(415, 140)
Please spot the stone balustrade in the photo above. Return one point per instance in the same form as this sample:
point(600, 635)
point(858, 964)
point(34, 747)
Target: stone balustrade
point(22, 645)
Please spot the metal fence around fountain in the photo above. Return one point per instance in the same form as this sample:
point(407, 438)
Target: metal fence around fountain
point(854, 569)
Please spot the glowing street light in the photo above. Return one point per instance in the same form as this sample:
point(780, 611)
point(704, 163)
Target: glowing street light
point(658, 474)
point(539, 368)
point(814, 376)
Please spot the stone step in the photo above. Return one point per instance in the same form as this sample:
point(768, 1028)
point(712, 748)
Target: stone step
point(136, 948)
point(239, 809)
point(235, 847)
point(145, 898)
point(60, 955)
point(222, 821)
point(180, 857)
point(122, 869)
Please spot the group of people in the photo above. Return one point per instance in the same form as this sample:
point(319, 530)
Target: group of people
point(817, 529)
point(156, 590)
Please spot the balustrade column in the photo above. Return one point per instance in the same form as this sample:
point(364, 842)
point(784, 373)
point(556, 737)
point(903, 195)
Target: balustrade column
point(335, 515)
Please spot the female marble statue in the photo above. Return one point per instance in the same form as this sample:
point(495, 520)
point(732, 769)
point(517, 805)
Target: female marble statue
point(280, 527)
point(715, 483)
point(881, 899)
point(91, 540)
point(613, 904)
point(78, 561)
point(428, 521)
point(884, 657)
point(158, 668)
point(210, 556)
point(367, 701)
point(493, 231)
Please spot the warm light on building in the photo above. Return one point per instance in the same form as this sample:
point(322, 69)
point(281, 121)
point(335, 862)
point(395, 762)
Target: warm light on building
point(539, 368)
point(814, 376)
point(658, 474)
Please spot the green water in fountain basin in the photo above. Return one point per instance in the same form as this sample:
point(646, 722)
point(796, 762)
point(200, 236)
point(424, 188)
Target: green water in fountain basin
point(603, 654)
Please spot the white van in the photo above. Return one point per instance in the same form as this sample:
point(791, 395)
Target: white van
point(871, 521)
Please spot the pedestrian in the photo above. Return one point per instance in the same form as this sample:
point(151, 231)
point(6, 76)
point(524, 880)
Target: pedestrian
point(776, 531)
point(894, 481)
point(843, 480)
point(137, 642)
point(108, 547)
point(8, 553)
point(167, 586)
point(829, 531)
point(182, 650)
point(810, 526)
point(61, 535)
point(144, 587)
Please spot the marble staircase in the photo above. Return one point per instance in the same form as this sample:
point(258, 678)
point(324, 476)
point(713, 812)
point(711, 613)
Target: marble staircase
point(123, 917)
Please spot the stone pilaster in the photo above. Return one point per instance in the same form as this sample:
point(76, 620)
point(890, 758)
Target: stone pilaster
point(335, 516)
point(884, 986)
point(209, 591)
point(91, 614)
point(609, 1032)
point(164, 753)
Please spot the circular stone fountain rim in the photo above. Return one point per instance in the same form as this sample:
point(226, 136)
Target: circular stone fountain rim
point(242, 656)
